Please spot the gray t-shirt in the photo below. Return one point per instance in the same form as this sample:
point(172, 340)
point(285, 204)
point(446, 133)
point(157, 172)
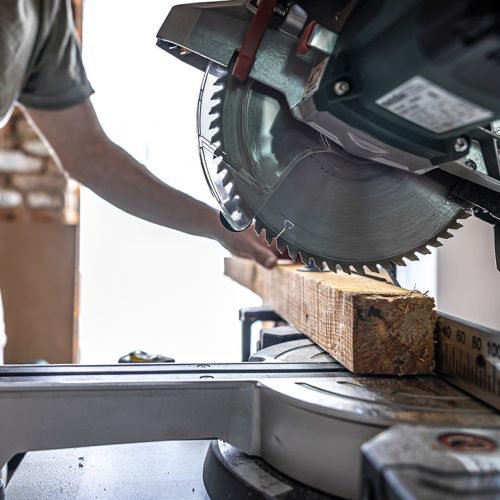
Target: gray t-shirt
point(40, 61)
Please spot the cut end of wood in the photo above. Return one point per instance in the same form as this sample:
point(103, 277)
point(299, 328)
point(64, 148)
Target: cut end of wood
point(367, 325)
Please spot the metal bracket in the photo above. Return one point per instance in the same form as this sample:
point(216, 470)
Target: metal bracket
point(253, 37)
point(248, 316)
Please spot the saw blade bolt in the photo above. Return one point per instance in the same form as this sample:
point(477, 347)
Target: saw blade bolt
point(471, 164)
point(461, 144)
point(341, 87)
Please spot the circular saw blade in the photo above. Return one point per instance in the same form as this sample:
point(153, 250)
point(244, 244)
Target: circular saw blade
point(316, 199)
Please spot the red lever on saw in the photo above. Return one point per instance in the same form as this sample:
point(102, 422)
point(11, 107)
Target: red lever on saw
point(253, 37)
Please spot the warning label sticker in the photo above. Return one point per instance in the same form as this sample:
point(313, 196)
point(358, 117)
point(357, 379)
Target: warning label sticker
point(314, 79)
point(426, 104)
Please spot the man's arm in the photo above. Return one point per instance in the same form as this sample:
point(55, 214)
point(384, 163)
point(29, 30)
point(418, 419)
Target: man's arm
point(91, 158)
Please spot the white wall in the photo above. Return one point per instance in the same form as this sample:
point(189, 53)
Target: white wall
point(468, 281)
point(144, 286)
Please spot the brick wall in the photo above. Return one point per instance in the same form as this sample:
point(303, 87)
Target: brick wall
point(32, 186)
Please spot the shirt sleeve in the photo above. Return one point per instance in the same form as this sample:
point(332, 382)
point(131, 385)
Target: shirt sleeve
point(55, 78)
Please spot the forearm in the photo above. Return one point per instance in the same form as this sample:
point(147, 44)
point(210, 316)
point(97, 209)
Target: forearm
point(116, 176)
point(92, 159)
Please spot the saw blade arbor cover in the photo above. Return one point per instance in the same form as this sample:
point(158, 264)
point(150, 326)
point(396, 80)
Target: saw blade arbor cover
point(316, 199)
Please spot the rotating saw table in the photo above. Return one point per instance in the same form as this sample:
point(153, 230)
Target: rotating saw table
point(306, 420)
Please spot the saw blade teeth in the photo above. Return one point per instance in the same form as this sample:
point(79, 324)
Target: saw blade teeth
point(423, 250)
point(445, 235)
point(225, 177)
point(325, 266)
point(411, 257)
point(333, 268)
point(221, 80)
point(218, 154)
point(232, 205)
point(399, 261)
point(220, 166)
point(359, 268)
point(214, 124)
point(216, 138)
point(215, 110)
point(231, 189)
point(217, 95)
point(456, 225)
point(346, 268)
point(258, 226)
point(269, 237)
point(435, 244)
point(331, 265)
point(373, 268)
point(306, 259)
point(292, 253)
point(280, 245)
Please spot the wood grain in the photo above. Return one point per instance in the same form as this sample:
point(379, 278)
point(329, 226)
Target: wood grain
point(367, 325)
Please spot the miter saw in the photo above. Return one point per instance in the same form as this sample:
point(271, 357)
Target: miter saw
point(356, 133)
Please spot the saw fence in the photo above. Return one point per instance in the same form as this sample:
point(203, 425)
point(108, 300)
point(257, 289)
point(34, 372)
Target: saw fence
point(368, 325)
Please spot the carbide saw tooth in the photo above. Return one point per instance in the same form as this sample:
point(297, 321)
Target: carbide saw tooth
point(359, 268)
point(218, 154)
point(269, 237)
point(292, 253)
point(218, 94)
point(399, 261)
point(445, 235)
point(220, 166)
point(214, 124)
point(372, 267)
point(346, 268)
point(411, 257)
point(231, 189)
point(423, 250)
point(220, 81)
point(307, 259)
point(280, 245)
point(215, 139)
point(215, 110)
point(258, 226)
point(225, 177)
point(332, 265)
point(435, 244)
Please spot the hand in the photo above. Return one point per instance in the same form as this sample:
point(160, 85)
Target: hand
point(247, 244)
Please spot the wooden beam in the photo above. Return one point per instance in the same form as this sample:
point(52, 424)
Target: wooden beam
point(367, 325)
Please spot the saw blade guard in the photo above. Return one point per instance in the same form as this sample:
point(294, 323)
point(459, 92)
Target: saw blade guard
point(261, 156)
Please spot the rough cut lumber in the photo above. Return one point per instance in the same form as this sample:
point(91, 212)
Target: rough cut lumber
point(367, 325)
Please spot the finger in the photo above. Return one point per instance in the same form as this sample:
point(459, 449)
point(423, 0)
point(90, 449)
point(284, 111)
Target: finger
point(264, 256)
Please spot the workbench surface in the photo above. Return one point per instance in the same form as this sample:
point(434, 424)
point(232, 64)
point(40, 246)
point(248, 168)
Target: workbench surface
point(152, 471)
